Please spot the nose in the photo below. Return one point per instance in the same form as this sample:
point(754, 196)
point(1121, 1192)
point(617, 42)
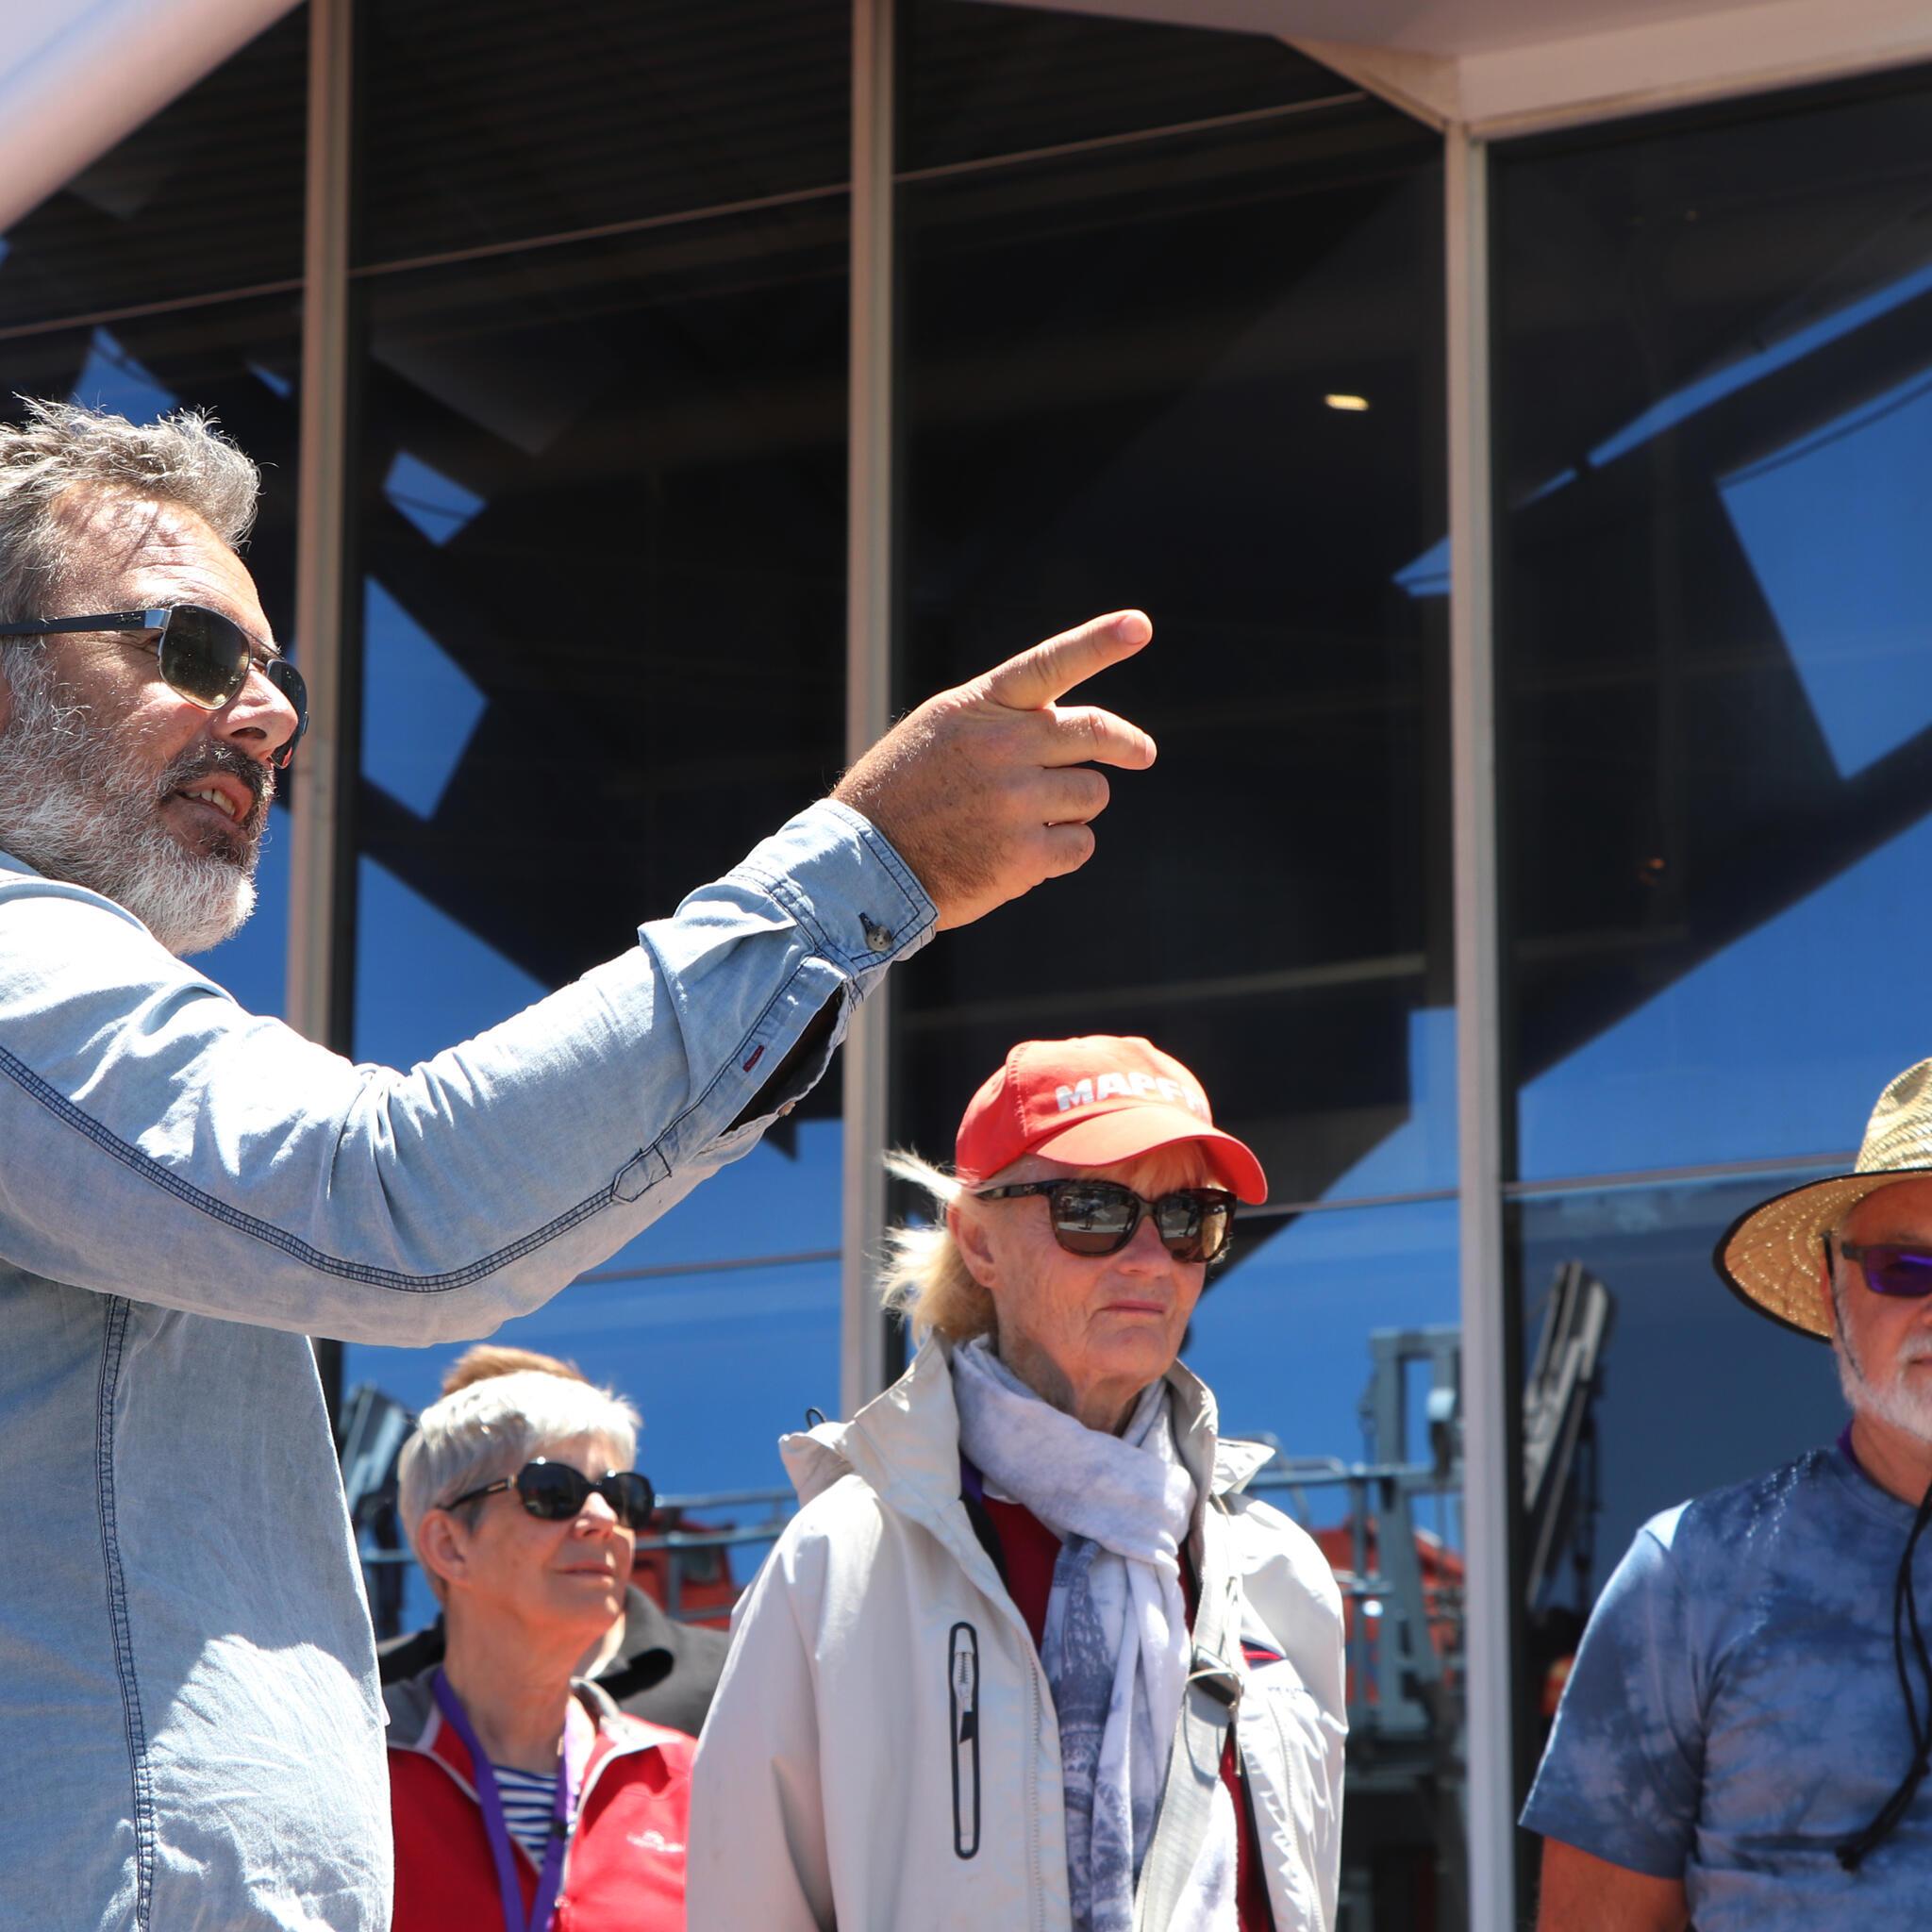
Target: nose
point(258, 719)
point(596, 1516)
point(1145, 1254)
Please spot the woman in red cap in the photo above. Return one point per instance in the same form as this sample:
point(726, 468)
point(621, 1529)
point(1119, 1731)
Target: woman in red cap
point(1028, 1656)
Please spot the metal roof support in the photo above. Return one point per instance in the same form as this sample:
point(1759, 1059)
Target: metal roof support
point(868, 666)
point(320, 514)
point(1490, 1486)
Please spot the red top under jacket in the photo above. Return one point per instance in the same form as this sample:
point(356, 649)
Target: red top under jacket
point(1031, 1551)
point(624, 1869)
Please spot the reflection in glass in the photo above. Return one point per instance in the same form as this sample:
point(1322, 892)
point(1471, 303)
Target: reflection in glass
point(720, 1363)
point(1712, 590)
point(1114, 396)
point(205, 196)
point(1692, 1391)
point(482, 123)
point(978, 80)
point(1335, 1336)
point(209, 357)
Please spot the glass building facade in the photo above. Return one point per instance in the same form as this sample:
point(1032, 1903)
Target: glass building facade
point(1175, 336)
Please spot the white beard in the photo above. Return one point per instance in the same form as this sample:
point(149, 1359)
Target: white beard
point(1902, 1400)
point(76, 807)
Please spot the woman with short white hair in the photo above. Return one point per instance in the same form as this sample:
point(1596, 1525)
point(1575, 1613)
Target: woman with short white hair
point(519, 1789)
point(1028, 1656)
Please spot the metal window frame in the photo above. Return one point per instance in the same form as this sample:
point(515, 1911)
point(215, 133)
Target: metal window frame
point(869, 493)
point(321, 514)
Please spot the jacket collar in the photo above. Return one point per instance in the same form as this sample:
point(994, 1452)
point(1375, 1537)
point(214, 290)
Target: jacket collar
point(905, 1443)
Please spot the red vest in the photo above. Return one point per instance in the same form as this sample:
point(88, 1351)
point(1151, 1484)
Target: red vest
point(624, 1870)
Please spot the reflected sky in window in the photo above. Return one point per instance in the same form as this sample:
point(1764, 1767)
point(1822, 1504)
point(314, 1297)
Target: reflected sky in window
point(1835, 524)
point(111, 379)
point(421, 708)
point(1283, 1338)
point(721, 1366)
point(1776, 1045)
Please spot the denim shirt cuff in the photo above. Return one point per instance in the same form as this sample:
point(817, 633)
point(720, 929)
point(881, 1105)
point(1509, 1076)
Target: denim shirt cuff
point(837, 874)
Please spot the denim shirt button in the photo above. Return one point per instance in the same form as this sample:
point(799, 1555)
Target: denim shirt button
point(879, 939)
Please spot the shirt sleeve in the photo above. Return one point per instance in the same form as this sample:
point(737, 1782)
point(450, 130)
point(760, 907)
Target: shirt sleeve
point(1624, 1773)
point(163, 1144)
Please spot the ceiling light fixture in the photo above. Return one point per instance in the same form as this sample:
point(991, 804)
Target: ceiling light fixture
point(1355, 405)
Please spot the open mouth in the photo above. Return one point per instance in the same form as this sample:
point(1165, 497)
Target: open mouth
point(222, 792)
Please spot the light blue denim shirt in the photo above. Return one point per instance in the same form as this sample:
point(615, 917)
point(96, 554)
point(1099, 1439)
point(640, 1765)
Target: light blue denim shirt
point(190, 1730)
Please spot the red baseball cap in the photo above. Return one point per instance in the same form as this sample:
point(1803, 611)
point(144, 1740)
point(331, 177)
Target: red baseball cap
point(1093, 1102)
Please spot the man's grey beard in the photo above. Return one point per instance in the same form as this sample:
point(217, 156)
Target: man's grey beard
point(76, 807)
point(1904, 1402)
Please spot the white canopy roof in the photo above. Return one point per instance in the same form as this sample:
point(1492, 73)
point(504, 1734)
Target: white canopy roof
point(79, 75)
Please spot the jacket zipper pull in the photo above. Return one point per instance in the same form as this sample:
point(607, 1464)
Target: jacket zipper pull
point(962, 1682)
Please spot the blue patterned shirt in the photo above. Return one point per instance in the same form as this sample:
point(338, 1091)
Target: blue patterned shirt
point(1735, 1713)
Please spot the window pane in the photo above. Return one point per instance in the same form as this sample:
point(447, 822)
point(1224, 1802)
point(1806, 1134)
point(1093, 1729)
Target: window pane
point(1114, 394)
point(980, 80)
point(484, 122)
point(206, 196)
point(721, 1364)
point(1695, 1392)
point(1327, 1335)
point(242, 361)
point(601, 523)
point(1713, 359)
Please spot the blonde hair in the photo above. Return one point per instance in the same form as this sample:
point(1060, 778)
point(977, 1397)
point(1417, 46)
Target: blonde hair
point(925, 1279)
point(487, 1358)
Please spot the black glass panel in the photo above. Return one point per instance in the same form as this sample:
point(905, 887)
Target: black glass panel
point(1714, 370)
point(1119, 372)
point(205, 196)
point(601, 534)
point(1687, 1391)
point(488, 121)
point(242, 360)
point(980, 80)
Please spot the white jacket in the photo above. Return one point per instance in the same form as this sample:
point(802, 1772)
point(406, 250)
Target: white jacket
point(882, 1754)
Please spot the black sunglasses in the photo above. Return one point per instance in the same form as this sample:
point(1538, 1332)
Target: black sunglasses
point(555, 1493)
point(205, 656)
point(1100, 1216)
point(1890, 1268)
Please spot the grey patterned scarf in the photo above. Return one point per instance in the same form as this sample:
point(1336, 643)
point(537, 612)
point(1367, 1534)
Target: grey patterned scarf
point(1116, 1646)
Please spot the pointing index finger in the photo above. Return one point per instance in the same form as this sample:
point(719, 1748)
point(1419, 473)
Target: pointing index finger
point(1035, 679)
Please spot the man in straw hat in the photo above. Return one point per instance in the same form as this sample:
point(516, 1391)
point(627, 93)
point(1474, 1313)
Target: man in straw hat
point(1745, 1736)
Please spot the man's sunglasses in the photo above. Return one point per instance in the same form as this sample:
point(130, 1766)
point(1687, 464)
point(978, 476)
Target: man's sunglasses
point(1891, 1268)
point(556, 1493)
point(1100, 1216)
point(205, 656)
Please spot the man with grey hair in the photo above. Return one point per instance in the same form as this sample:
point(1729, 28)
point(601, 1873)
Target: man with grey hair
point(1744, 1741)
point(189, 1733)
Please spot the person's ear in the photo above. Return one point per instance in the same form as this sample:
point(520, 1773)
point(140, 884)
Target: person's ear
point(968, 1236)
point(442, 1548)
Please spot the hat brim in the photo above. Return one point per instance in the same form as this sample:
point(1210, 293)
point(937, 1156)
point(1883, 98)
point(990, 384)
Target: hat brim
point(1773, 1256)
point(1100, 1139)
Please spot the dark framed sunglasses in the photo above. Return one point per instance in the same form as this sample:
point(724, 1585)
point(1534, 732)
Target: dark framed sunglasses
point(555, 1493)
point(205, 656)
point(1101, 1217)
point(1890, 1267)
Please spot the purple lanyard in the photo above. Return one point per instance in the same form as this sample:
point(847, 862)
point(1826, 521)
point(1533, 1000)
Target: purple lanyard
point(551, 1876)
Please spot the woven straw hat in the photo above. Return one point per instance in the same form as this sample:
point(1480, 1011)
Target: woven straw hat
point(1775, 1255)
